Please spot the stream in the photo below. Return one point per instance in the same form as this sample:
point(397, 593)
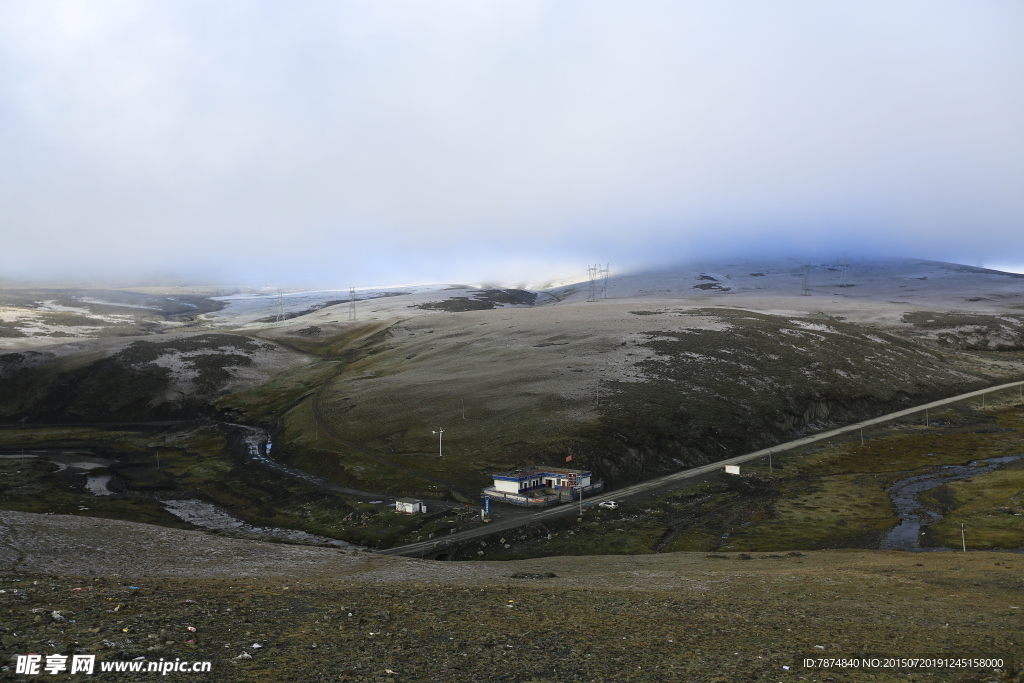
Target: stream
point(207, 516)
point(911, 512)
point(197, 512)
point(258, 445)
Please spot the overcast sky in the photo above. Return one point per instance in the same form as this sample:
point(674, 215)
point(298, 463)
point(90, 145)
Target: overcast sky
point(331, 143)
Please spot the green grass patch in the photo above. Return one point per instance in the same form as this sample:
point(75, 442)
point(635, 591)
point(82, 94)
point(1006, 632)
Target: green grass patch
point(833, 511)
point(991, 508)
point(266, 402)
point(34, 485)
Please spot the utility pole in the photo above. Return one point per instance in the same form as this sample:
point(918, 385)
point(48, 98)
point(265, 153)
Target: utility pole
point(440, 433)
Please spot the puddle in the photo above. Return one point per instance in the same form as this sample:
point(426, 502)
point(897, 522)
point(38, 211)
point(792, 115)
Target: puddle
point(912, 513)
point(82, 465)
point(97, 485)
point(208, 516)
point(66, 459)
point(70, 460)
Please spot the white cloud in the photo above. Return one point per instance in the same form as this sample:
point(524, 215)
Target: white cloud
point(294, 136)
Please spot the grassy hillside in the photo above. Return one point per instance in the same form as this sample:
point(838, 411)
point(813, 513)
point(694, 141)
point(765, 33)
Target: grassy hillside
point(173, 377)
point(627, 392)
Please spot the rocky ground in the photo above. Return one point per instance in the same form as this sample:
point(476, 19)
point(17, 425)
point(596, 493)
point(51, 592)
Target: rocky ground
point(122, 591)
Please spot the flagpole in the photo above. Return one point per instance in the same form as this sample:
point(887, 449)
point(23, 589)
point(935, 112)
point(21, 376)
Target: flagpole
point(579, 487)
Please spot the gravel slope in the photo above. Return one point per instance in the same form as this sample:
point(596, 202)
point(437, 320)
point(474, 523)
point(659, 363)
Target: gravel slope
point(671, 617)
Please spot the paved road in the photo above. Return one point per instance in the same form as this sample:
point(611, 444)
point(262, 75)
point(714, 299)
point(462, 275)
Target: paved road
point(437, 545)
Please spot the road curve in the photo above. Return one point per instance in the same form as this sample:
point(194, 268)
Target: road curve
point(436, 546)
point(256, 452)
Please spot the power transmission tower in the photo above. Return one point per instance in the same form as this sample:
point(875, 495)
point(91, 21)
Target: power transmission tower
point(806, 290)
point(598, 277)
point(844, 274)
point(352, 304)
point(280, 307)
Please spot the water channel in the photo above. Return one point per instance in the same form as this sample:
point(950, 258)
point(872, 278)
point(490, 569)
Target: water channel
point(913, 514)
point(208, 516)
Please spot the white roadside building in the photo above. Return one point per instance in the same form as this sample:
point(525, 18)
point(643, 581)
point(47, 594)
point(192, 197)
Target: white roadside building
point(410, 506)
point(541, 486)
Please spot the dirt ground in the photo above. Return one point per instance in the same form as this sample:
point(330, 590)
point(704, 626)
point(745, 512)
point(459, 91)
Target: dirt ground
point(122, 590)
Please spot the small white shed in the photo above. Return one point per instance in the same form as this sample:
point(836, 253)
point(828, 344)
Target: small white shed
point(410, 506)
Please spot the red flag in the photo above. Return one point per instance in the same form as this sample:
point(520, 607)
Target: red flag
point(568, 459)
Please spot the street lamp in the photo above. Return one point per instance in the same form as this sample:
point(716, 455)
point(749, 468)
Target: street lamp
point(440, 433)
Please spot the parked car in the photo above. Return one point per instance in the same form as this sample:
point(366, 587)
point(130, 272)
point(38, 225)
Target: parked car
point(608, 505)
